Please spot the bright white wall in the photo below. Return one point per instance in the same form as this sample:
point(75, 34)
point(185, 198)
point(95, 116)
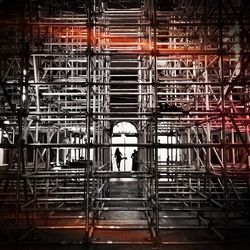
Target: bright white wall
point(163, 153)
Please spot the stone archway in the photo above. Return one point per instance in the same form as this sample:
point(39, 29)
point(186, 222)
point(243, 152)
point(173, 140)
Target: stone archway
point(124, 133)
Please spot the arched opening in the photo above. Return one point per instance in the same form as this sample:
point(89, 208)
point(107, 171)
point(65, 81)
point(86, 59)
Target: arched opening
point(124, 133)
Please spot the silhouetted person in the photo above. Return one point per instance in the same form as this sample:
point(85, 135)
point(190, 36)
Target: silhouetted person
point(118, 156)
point(168, 160)
point(134, 157)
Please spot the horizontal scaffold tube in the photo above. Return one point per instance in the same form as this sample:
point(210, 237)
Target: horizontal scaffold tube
point(146, 145)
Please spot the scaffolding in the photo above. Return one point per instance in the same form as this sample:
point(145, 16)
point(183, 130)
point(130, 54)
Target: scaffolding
point(177, 70)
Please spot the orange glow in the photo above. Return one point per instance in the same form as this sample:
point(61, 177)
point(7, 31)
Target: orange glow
point(106, 40)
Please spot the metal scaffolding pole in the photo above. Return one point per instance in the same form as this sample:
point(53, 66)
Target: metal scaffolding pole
point(223, 120)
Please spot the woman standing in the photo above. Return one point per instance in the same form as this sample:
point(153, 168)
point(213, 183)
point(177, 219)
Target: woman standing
point(118, 156)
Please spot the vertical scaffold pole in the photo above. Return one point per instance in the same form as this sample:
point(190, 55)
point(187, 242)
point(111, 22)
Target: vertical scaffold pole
point(223, 119)
point(22, 123)
point(155, 79)
point(88, 118)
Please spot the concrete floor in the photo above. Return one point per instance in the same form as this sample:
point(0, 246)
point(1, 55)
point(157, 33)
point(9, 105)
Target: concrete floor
point(117, 239)
point(130, 247)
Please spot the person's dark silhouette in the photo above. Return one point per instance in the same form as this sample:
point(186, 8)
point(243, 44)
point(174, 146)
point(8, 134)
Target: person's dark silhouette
point(168, 161)
point(118, 156)
point(134, 157)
